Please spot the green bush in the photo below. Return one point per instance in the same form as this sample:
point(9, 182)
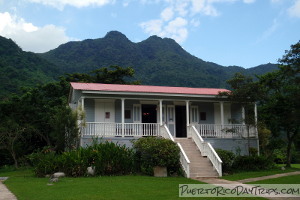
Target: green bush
point(244, 163)
point(111, 159)
point(154, 151)
point(108, 159)
point(44, 162)
point(227, 158)
point(253, 151)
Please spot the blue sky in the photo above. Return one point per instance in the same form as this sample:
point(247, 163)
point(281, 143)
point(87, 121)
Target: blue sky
point(228, 32)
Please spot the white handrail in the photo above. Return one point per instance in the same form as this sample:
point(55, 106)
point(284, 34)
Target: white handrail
point(207, 150)
point(214, 158)
point(225, 130)
point(184, 160)
point(198, 140)
point(165, 133)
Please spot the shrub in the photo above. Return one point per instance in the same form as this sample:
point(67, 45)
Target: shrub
point(244, 163)
point(111, 159)
point(44, 162)
point(154, 151)
point(253, 151)
point(227, 158)
point(74, 163)
point(107, 158)
point(279, 156)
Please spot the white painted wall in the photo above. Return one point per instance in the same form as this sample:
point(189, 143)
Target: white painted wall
point(227, 113)
point(104, 110)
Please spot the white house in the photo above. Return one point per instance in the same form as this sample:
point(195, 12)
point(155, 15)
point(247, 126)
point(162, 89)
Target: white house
point(120, 113)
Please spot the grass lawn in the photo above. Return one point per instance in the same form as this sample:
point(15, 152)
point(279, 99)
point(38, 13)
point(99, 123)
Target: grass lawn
point(253, 174)
point(293, 165)
point(295, 179)
point(27, 187)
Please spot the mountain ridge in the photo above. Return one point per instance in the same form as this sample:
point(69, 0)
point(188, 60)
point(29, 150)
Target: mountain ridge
point(22, 69)
point(157, 61)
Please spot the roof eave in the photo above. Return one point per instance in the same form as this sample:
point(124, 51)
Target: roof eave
point(149, 94)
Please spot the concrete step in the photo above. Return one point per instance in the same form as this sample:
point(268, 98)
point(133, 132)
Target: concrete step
point(200, 166)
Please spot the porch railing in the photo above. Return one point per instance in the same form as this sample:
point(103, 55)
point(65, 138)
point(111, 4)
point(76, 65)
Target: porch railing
point(103, 129)
point(184, 160)
point(206, 150)
point(226, 131)
point(165, 133)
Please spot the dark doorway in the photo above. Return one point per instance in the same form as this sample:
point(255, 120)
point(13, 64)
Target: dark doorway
point(149, 114)
point(180, 112)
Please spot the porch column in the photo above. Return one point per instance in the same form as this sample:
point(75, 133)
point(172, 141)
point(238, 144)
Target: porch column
point(160, 113)
point(79, 122)
point(122, 115)
point(82, 104)
point(256, 125)
point(255, 113)
point(187, 113)
point(222, 113)
point(243, 115)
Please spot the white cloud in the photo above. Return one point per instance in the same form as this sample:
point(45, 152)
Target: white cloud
point(178, 16)
point(167, 14)
point(30, 37)
point(269, 31)
point(152, 27)
point(60, 4)
point(195, 22)
point(276, 1)
point(175, 29)
point(249, 1)
point(294, 11)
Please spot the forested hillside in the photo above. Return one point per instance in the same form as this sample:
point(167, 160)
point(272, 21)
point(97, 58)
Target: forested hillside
point(156, 61)
point(22, 69)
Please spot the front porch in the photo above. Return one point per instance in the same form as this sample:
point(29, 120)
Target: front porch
point(106, 129)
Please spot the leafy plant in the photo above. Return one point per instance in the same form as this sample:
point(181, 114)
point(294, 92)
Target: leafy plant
point(227, 158)
point(253, 151)
point(44, 162)
point(108, 159)
point(155, 151)
point(244, 163)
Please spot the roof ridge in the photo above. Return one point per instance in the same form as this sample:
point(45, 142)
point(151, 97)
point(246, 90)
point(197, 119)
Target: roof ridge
point(150, 86)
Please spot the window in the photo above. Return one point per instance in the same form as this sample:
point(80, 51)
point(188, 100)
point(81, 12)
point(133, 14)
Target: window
point(127, 114)
point(203, 116)
point(194, 114)
point(136, 113)
point(107, 115)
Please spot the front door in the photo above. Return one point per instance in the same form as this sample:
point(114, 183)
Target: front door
point(180, 121)
point(149, 114)
point(105, 114)
point(171, 119)
point(104, 111)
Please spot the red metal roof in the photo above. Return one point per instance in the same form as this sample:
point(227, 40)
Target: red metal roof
point(145, 89)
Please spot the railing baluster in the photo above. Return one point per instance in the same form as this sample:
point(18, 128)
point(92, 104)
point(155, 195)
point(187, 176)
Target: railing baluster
point(227, 131)
point(115, 129)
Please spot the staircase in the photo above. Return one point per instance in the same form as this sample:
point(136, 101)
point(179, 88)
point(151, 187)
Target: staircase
point(199, 166)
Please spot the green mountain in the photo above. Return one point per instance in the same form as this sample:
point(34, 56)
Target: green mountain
point(22, 69)
point(156, 61)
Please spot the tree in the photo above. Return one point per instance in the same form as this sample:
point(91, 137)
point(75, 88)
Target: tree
point(10, 134)
point(281, 102)
point(109, 75)
point(40, 116)
point(244, 92)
